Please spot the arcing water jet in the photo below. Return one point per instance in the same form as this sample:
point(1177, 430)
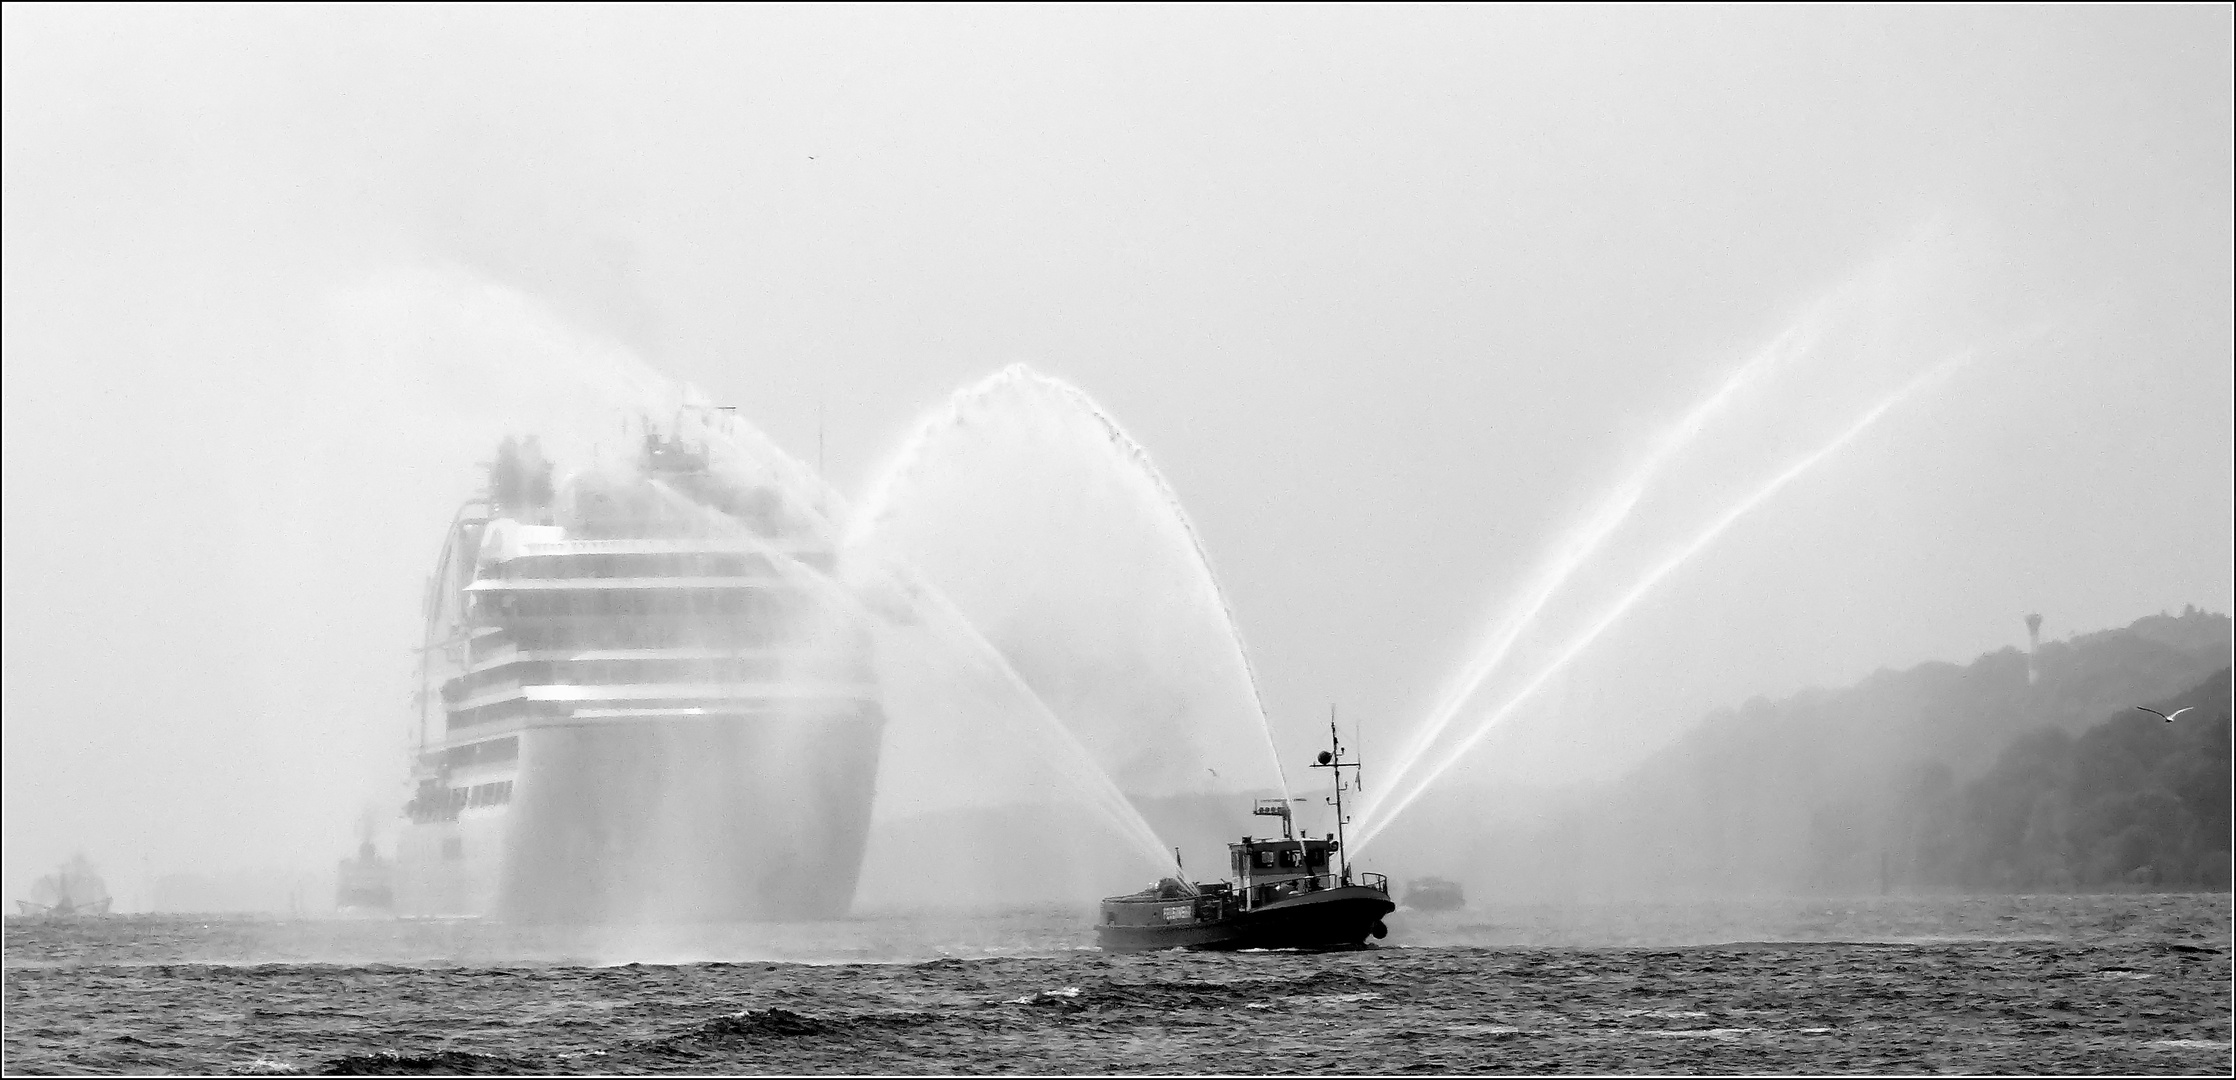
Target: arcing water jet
point(900, 593)
point(677, 762)
point(875, 587)
point(1024, 428)
point(1378, 817)
point(1587, 542)
point(1043, 733)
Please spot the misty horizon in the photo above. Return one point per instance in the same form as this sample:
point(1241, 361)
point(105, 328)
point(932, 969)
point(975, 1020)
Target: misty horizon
point(1394, 307)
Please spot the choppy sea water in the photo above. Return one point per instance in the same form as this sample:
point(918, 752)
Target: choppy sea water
point(2106, 984)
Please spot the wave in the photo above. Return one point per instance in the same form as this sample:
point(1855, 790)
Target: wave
point(439, 1063)
point(1196, 994)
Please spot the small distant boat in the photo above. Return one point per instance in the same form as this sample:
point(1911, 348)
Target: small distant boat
point(365, 882)
point(1283, 895)
point(73, 890)
point(1434, 894)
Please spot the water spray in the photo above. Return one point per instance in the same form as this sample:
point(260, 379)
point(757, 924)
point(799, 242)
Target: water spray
point(745, 448)
point(987, 659)
point(1384, 813)
point(979, 654)
point(912, 453)
point(1587, 542)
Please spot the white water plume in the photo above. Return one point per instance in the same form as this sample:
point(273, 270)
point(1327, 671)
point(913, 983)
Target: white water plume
point(1377, 816)
point(1588, 540)
point(1022, 752)
point(1904, 270)
point(466, 361)
point(1053, 529)
point(885, 593)
point(1026, 755)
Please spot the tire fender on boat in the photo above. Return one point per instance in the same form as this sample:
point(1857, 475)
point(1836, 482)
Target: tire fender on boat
point(1381, 929)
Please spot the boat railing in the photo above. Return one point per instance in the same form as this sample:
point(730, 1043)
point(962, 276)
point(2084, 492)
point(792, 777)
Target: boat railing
point(682, 545)
point(1298, 886)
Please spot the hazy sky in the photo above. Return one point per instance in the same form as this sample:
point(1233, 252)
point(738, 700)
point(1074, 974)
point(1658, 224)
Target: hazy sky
point(1390, 295)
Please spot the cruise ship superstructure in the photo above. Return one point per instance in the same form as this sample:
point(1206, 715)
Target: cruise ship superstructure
point(639, 701)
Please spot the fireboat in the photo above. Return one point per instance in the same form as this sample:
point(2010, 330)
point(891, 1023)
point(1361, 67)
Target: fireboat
point(1282, 896)
point(73, 890)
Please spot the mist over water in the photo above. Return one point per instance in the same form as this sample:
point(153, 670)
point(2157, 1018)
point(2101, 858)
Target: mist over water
point(970, 746)
point(1053, 651)
point(1066, 694)
point(1517, 370)
point(1053, 648)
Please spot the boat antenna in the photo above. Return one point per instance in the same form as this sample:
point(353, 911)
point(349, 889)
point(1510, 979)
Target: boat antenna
point(1332, 760)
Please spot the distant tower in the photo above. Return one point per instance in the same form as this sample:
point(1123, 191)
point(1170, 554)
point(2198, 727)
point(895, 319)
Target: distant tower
point(2033, 646)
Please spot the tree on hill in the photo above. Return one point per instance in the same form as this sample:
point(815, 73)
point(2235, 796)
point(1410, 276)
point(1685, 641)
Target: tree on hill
point(2133, 801)
point(1941, 776)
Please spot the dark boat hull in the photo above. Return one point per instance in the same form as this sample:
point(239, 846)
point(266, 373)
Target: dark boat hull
point(1226, 934)
point(1338, 918)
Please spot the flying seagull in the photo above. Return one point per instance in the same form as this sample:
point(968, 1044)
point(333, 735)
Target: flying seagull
point(2169, 717)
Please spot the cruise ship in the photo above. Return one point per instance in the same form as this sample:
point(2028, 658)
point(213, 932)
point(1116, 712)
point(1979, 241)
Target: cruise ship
point(637, 702)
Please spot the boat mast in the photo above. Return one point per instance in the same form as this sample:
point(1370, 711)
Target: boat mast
point(1332, 760)
point(1341, 860)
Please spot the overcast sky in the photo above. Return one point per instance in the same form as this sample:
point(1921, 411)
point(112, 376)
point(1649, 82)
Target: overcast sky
point(1390, 296)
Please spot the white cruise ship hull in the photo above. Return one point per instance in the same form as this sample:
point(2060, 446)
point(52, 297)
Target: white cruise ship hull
point(658, 819)
point(642, 699)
